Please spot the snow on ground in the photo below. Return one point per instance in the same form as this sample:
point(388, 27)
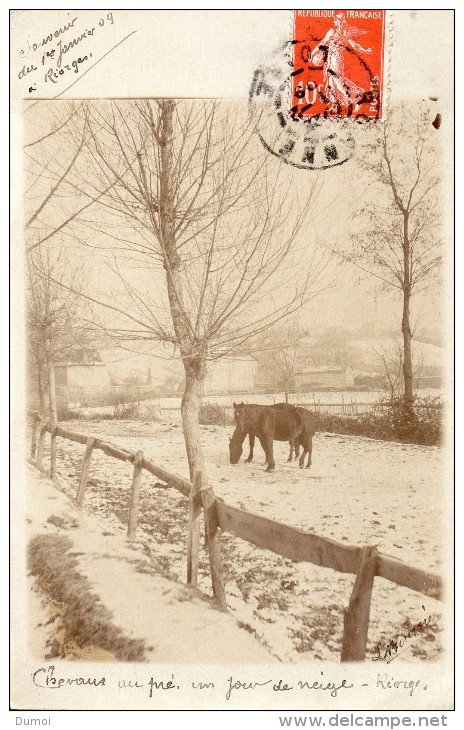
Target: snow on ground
point(358, 491)
point(175, 625)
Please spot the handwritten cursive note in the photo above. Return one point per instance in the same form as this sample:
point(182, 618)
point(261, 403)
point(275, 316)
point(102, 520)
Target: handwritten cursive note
point(50, 60)
point(233, 689)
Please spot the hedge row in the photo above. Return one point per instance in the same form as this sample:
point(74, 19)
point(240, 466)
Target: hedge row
point(423, 426)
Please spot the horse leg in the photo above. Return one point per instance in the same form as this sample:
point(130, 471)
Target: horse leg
point(292, 447)
point(310, 451)
point(268, 445)
point(294, 438)
point(299, 439)
point(251, 441)
point(263, 446)
point(305, 451)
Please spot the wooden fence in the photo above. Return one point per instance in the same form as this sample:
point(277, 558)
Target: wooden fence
point(355, 408)
point(290, 542)
point(344, 408)
point(347, 408)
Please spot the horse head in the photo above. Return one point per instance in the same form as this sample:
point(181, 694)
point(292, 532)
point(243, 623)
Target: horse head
point(239, 415)
point(235, 447)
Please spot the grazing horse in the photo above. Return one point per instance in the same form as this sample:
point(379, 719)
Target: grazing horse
point(268, 424)
point(294, 447)
point(248, 425)
point(305, 439)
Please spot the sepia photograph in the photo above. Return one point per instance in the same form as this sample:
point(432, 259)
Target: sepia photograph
point(234, 383)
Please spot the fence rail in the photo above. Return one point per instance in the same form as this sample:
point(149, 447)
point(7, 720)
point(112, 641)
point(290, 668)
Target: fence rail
point(290, 542)
point(356, 408)
point(347, 408)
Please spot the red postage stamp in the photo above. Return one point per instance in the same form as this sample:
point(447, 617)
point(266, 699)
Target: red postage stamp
point(338, 63)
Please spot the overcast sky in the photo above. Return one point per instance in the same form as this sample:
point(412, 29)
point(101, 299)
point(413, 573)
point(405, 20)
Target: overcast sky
point(350, 301)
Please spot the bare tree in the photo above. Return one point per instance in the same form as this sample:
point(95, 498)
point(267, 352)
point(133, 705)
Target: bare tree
point(397, 237)
point(53, 325)
point(204, 228)
point(278, 351)
point(390, 364)
point(50, 161)
point(389, 357)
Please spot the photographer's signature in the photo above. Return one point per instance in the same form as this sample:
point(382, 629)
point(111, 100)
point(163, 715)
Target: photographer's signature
point(401, 642)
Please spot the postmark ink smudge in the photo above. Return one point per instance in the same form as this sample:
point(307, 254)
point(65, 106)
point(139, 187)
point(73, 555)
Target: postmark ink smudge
point(319, 86)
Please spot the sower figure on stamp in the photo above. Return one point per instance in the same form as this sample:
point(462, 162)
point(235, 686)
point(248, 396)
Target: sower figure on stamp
point(330, 53)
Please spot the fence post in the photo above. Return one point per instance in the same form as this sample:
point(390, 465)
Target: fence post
point(356, 618)
point(35, 423)
point(193, 539)
point(213, 542)
point(85, 470)
point(40, 445)
point(135, 493)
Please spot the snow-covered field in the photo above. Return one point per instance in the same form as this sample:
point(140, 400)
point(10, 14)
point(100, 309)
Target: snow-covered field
point(358, 491)
point(174, 624)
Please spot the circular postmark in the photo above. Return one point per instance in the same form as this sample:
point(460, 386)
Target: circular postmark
point(299, 123)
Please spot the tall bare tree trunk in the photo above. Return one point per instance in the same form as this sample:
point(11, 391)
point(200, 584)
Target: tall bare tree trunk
point(191, 404)
point(407, 346)
point(40, 384)
point(405, 322)
point(194, 364)
point(52, 406)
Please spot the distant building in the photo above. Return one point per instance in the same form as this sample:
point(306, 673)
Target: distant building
point(330, 376)
point(231, 375)
point(79, 375)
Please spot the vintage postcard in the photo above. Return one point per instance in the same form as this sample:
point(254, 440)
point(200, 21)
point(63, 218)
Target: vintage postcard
point(232, 348)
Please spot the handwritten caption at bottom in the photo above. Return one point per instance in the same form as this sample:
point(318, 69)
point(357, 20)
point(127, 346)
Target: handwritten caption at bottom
point(230, 688)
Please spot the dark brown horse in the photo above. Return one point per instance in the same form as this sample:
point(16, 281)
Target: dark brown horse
point(305, 439)
point(269, 425)
point(294, 447)
point(250, 419)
